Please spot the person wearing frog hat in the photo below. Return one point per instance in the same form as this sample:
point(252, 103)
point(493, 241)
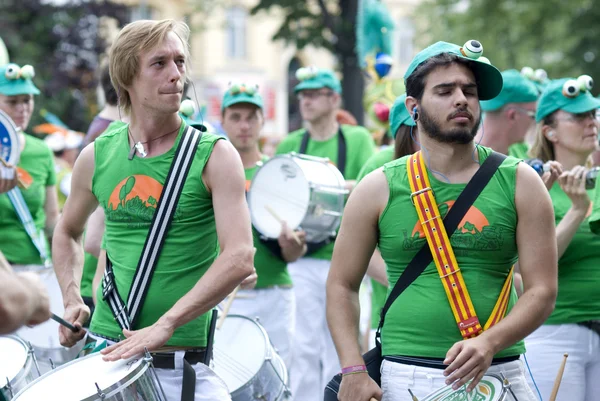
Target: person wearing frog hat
point(348, 147)
point(567, 132)
point(436, 333)
point(509, 115)
point(403, 129)
point(272, 300)
point(36, 171)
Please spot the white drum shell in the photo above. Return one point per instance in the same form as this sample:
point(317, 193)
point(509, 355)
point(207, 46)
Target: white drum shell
point(17, 365)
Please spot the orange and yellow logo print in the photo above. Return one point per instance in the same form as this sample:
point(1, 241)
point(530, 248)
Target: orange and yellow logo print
point(473, 222)
point(134, 200)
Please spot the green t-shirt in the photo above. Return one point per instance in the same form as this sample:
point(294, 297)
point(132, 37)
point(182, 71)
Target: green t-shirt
point(270, 269)
point(578, 297)
point(36, 164)
point(129, 190)
point(420, 322)
point(90, 262)
point(359, 147)
point(379, 291)
point(519, 150)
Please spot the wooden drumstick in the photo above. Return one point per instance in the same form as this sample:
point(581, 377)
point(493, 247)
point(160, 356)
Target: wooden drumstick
point(558, 379)
point(227, 307)
point(20, 183)
point(280, 221)
point(4, 265)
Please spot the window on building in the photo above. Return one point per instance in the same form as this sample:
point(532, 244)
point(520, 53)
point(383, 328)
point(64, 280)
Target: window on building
point(236, 32)
point(405, 35)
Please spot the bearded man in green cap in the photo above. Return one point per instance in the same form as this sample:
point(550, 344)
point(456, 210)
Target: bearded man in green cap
point(509, 115)
point(425, 339)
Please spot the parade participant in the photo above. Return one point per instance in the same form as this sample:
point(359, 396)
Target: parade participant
point(109, 113)
point(272, 299)
point(431, 339)
point(567, 132)
point(35, 169)
point(23, 299)
point(509, 115)
point(314, 353)
point(207, 250)
point(401, 125)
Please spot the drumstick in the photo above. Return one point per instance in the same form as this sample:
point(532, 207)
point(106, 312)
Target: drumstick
point(280, 221)
point(558, 379)
point(4, 265)
point(64, 323)
point(227, 307)
point(19, 182)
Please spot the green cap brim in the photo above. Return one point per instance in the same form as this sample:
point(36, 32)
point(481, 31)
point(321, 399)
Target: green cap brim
point(237, 99)
point(312, 84)
point(18, 87)
point(582, 104)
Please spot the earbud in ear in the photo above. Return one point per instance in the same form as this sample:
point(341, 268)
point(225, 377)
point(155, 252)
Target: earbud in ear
point(415, 115)
point(550, 134)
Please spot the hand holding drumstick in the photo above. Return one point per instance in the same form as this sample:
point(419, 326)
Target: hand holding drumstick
point(292, 243)
point(9, 178)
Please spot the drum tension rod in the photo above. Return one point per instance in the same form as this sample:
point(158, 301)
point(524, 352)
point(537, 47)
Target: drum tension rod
point(100, 393)
point(52, 363)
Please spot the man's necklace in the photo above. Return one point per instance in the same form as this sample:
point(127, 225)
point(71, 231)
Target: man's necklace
point(139, 146)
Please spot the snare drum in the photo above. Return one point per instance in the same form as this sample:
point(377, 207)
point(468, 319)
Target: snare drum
point(17, 366)
point(44, 337)
point(306, 192)
point(91, 378)
point(10, 150)
point(491, 388)
point(247, 363)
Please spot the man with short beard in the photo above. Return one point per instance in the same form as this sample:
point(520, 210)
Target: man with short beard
point(426, 342)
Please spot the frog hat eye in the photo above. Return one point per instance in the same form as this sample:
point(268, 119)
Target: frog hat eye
point(472, 49)
point(12, 71)
point(571, 88)
point(586, 83)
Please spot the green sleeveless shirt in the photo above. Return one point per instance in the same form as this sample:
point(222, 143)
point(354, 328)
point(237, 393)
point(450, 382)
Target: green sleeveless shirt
point(270, 269)
point(420, 322)
point(129, 190)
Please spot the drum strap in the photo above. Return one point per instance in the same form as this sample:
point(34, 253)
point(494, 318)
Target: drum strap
point(341, 156)
point(36, 236)
point(454, 285)
point(127, 315)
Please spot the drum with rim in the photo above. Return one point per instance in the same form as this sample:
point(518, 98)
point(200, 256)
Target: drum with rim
point(10, 150)
point(491, 388)
point(44, 337)
point(90, 379)
point(304, 191)
point(247, 362)
point(17, 366)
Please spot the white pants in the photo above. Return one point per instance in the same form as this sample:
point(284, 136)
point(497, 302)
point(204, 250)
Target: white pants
point(275, 309)
point(209, 386)
point(314, 361)
point(397, 378)
point(581, 378)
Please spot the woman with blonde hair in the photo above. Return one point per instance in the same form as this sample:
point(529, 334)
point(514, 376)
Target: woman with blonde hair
point(567, 132)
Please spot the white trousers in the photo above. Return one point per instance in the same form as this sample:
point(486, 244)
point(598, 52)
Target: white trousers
point(581, 378)
point(315, 360)
point(275, 309)
point(209, 386)
point(397, 378)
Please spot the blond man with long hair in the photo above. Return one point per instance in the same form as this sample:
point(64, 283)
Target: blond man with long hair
point(208, 248)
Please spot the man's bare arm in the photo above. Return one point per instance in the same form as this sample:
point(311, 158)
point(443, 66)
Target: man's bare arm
point(353, 250)
point(67, 250)
point(51, 210)
point(377, 269)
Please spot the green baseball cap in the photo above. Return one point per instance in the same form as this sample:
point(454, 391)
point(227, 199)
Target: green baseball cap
point(568, 94)
point(317, 78)
point(242, 93)
point(15, 80)
point(516, 89)
point(399, 115)
point(489, 79)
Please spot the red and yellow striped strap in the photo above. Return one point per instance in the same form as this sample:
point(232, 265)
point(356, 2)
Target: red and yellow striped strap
point(456, 290)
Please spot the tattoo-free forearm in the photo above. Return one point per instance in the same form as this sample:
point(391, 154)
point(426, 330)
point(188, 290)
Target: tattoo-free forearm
point(67, 257)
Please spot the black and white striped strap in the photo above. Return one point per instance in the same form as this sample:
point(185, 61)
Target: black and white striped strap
point(161, 221)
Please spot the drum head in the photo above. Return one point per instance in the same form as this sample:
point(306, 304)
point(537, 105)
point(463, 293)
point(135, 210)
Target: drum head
point(490, 388)
point(9, 140)
point(240, 350)
point(279, 185)
point(77, 380)
point(13, 357)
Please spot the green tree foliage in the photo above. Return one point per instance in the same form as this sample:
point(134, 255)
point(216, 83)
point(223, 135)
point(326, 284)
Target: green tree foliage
point(61, 41)
point(328, 24)
point(556, 35)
